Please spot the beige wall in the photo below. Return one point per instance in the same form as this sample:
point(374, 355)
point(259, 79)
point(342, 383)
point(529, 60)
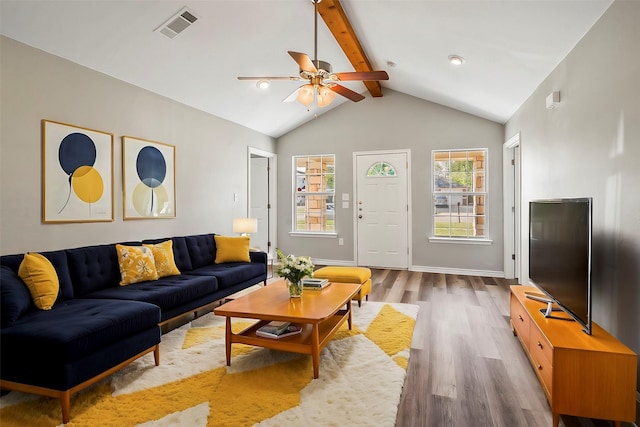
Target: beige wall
point(211, 153)
point(395, 121)
point(590, 146)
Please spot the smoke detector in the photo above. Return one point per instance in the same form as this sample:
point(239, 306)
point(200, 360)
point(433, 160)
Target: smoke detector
point(177, 23)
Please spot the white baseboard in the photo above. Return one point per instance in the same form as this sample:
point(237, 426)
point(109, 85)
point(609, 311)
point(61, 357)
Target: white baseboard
point(419, 268)
point(459, 271)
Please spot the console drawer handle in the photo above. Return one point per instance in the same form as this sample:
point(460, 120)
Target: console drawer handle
point(520, 317)
point(539, 344)
point(540, 367)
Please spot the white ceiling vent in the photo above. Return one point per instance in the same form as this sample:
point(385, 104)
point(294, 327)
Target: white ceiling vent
point(177, 23)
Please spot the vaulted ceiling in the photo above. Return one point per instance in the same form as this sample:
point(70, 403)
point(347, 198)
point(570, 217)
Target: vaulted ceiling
point(509, 47)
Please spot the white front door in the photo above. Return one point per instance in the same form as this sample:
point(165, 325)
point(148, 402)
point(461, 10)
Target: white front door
point(382, 210)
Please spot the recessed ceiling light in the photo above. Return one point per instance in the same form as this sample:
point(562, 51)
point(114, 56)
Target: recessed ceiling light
point(263, 84)
point(391, 64)
point(456, 59)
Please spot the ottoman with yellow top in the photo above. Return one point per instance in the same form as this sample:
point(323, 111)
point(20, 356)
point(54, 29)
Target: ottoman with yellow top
point(360, 275)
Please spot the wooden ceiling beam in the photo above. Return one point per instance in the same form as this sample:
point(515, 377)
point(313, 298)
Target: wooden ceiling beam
point(336, 19)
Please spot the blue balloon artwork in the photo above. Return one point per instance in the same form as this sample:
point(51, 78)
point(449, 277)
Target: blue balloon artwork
point(151, 168)
point(76, 150)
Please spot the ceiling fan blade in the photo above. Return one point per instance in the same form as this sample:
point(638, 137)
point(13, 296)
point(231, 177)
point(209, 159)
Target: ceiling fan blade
point(347, 93)
point(363, 75)
point(304, 62)
point(268, 78)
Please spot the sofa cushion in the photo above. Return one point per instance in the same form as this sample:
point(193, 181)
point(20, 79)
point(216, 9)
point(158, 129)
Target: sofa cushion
point(75, 328)
point(232, 249)
point(180, 252)
point(163, 258)
point(232, 273)
point(136, 264)
point(93, 268)
point(202, 250)
point(34, 369)
point(41, 279)
point(15, 299)
point(166, 293)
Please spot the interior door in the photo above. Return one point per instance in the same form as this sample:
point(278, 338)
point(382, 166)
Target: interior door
point(511, 207)
point(382, 210)
point(259, 201)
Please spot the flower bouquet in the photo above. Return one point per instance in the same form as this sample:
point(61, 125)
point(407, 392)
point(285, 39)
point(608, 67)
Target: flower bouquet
point(294, 269)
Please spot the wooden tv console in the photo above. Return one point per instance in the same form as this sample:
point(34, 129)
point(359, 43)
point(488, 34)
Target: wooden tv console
point(591, 376)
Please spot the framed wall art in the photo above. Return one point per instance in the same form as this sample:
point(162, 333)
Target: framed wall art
point(148, 179)
point(77, 174)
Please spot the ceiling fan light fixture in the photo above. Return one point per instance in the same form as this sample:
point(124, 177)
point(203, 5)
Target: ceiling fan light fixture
point(322, 83)
point(263, 84)
point(325, 96)
point(305, 94)
point(456, 59)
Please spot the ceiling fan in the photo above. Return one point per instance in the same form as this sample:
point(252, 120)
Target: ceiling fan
point(322, 82)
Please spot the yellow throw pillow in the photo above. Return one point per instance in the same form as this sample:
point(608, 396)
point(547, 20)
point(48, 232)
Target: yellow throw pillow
point(136, 264)
point(41, 278)
point(163, 258)
point(232, 249)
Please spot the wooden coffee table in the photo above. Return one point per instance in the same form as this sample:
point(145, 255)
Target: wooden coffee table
point(320, 313)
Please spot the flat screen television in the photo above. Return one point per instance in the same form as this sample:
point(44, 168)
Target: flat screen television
point(560, 255)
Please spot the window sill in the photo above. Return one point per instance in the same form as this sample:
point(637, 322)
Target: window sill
point(460, 241)
point(312, 234)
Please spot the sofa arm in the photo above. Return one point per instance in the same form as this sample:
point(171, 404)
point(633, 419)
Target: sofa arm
point(258, 256)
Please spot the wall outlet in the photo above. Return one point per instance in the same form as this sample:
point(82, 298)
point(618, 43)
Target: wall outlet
point(341, 241)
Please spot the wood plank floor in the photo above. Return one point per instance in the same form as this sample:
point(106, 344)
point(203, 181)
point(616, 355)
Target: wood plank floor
point(466, 366)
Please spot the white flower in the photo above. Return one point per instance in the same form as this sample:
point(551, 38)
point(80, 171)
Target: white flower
point(293, 268)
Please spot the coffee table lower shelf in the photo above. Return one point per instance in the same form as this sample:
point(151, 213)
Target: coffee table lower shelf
point(313, 338)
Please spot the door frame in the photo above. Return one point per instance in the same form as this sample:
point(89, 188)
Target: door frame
point(407, 153)
point(273, 193)
point(511, 190)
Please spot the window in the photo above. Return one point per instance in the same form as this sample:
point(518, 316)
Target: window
point(381, 169)
point(459, 194)
point(314, 194)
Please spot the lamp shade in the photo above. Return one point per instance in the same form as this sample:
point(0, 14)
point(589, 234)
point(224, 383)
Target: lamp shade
point(245, 225)
point(305, 94)
point(325, 96)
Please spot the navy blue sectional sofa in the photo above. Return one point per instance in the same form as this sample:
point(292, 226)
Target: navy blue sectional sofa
point(97, 326)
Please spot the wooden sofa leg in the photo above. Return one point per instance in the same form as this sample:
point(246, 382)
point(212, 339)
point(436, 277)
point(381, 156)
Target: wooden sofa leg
point(65, 402)
point(156, 354)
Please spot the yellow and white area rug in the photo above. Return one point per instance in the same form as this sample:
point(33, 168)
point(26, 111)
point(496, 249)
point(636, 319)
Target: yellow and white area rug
point(362, 373)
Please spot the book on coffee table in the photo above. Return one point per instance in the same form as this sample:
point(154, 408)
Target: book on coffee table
point(287, 332)
point(313, 283)
point(275, 327)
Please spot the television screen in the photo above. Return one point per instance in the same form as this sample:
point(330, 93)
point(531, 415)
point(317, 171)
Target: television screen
point(560, 254)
